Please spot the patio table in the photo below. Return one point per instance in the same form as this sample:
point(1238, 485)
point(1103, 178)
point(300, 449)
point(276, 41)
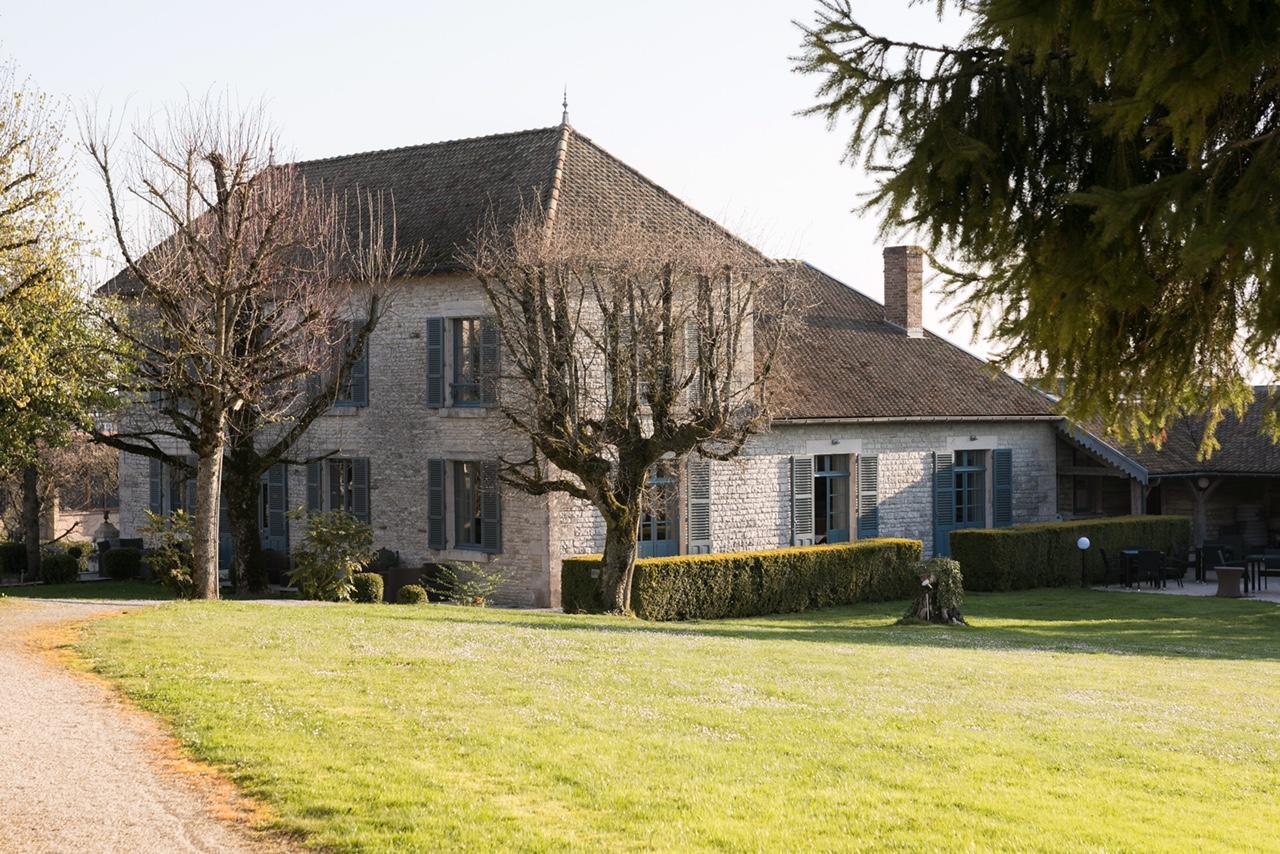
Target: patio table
point(1230, 580)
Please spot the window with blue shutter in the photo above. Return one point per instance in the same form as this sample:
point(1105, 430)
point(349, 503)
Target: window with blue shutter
point(275, 528)
point(355, 391)
point(944, 502)
point(436, 472)
point(435, 361)
point(156, 482)
point(802, 501)
point(698, 474)
point(360, 489)
point(691, 361)
point(868, 496)
point(490, 508)
point(315, 487)
point(490, 360)
point(1002, 488)
point(349, 486)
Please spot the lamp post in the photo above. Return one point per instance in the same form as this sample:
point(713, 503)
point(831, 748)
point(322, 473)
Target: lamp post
point(1083, 545)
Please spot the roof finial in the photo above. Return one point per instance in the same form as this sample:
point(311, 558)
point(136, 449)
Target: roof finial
point(564, 117)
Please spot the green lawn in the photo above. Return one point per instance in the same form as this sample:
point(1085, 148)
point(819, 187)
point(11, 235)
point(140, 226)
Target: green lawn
point(1061, 720)
point(88, 590)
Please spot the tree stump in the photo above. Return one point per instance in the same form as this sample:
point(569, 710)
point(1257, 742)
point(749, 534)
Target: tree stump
point(940, 596)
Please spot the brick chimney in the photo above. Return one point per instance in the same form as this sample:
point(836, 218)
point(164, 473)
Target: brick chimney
point(904, 288)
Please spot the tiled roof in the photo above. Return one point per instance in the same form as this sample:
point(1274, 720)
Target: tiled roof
point(444, 191)
point(1246, 449)
point(845, 361)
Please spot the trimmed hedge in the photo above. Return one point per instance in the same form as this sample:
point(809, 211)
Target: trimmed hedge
point(745, 584)
point(1045, 555)
point(121, 563)
point(59, 568)
point(366, 587)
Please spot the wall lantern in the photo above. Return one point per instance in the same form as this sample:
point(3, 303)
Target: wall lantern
point(1202, 482)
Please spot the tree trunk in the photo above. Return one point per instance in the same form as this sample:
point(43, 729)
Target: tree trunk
point(204, 534)
point(619, 562)
point(31, 520)
point(248, 566)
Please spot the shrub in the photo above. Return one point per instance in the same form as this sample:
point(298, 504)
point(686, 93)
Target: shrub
point(122, 563)
point(1046, 555)
point(337, 545)
point(170, 560)
point(939, 595)
point(412, 594)
point(59, 568)
point(366, 587)
point(744, 584)
point(80, 550)
point(13, 559)
point(465, 583)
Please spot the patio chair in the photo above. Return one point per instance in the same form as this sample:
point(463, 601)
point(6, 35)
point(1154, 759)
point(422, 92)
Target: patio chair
point(1110, 574)
point(1149, 566)
point(1175, 568)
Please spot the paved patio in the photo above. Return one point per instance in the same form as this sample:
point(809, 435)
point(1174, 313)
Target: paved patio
point(1199, 588)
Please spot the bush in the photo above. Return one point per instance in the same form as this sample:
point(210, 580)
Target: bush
point(366, 587)
point(337, 545)
point(464, 583)
point(1046, 555)
point(121, 563)
point(744, 584)
point(412, 594)
point(80, 550)
point(170, 560)
point(13, 559)
point(939, 595)
point(59, 568)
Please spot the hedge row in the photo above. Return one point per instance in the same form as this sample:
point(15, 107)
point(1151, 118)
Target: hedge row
point(1046, 555)
point(745, 584)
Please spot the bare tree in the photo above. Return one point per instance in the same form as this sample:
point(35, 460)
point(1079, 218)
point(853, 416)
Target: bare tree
point(237, 282)
point(625, 346)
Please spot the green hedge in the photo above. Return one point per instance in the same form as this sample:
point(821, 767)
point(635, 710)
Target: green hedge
point(59, 568)
point(744, 584)
point(121, 563)
point(1046, 555)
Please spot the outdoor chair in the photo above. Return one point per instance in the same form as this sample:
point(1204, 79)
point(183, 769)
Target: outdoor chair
point(1110, 575)
point(1149, 566)
point(1175, 568)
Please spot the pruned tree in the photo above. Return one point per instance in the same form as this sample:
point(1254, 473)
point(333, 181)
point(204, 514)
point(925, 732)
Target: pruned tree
point(1103, 175)
point(625, 346)
point(239, 278)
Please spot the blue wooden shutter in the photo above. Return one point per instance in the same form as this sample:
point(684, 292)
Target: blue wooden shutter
point(156, 496)
point(490, 508)
point(315, 495)
point(358, 382)
point(691, 359)
point(802, 501)
point(1002, 487)
point(944, 501)
point(435, 361)
point(699, 474)
point(277, 533)
point(490, 359)
point(360, 489)
point(868, 496)
point(435, 504)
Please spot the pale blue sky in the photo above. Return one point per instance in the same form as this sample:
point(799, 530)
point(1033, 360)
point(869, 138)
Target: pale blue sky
point(699, 96)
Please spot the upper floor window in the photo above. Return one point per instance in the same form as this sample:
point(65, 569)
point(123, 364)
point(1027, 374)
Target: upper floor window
point(467, 359)
point(462, 361)
point(354, 391)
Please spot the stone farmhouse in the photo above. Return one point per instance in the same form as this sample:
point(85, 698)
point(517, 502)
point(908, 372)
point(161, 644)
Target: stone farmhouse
point(886, 429)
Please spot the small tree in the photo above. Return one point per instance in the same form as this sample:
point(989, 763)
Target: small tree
point(624, 346)
point(336, 547)
point(235, 293)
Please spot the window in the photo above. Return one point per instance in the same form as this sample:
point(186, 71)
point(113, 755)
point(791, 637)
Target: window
point(466, 361)
point(971, 489)
point(658, 532)
point(339, 483)
point(475, 506)
point(1086, 498)
point(89, 492)
point(831, 498)
point(354, 391)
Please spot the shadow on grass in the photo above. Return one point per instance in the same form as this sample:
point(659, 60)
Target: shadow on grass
point(88, 590)
point(1068, 621)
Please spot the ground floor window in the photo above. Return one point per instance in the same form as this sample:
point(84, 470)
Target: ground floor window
point(659, 534)
point(831, 498)
point(971, 489)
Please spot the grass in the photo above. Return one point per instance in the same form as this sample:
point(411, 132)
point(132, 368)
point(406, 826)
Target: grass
point(1060, 720)
point(87, 590)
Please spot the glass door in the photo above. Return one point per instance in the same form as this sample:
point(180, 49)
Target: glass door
point(659, 536)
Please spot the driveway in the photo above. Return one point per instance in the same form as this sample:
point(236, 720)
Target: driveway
point(80, 770)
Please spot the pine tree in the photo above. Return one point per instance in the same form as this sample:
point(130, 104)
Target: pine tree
point(1104, 178)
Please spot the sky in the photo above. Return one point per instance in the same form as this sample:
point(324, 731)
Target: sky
point(699, 95)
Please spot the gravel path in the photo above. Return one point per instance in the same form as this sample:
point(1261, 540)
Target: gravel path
point(82, 771)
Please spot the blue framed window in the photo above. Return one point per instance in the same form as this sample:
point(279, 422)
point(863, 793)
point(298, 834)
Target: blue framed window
point(659, 535)
point(476, 506)
point(466, 361)
point(970, 479)
point(831, 498)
